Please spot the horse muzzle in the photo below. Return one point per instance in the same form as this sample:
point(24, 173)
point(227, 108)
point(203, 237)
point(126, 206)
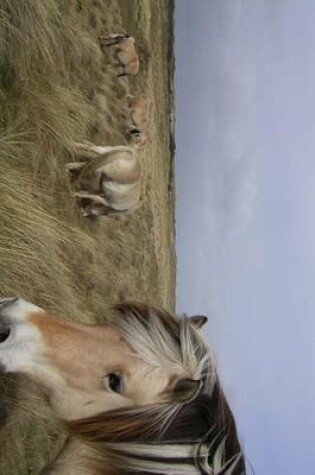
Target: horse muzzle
point(19, 339)
point(5, 328)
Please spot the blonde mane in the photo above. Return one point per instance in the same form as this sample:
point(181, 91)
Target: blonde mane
point(193, 438)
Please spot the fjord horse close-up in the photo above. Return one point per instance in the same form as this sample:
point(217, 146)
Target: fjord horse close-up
point(138, 394)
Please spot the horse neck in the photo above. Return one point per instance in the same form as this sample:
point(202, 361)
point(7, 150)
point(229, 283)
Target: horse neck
point(72, 460)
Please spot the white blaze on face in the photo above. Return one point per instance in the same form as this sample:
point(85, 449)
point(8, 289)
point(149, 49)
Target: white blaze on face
point(20, 345)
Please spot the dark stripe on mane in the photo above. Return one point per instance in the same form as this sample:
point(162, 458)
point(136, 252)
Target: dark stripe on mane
point(205, 420)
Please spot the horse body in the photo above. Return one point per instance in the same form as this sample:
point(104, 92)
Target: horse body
point(123, 47)
point(138, 394)
point(138, 110)
point(110, 180)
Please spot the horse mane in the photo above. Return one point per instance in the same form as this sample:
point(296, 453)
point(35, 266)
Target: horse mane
point(194, 438)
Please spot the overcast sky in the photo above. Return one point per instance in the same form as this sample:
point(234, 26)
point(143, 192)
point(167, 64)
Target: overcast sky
point(245, 178)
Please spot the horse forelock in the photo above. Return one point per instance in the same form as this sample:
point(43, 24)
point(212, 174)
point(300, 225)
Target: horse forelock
point(162, 339)
point(146, 439)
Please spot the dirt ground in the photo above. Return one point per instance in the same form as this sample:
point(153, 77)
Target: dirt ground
point(57, 87)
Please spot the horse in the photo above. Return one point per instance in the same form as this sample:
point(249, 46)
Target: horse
point(138, 111)
point(139, 394)
point(124, 51)
point(109, 179)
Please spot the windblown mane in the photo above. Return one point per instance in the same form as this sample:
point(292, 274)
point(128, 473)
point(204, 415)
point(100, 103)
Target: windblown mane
point(194, 438)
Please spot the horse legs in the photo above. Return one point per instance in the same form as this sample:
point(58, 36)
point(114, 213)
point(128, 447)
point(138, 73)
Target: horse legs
point(75, 166)
point(81, 195)
point(90, 150)
point(91, 205)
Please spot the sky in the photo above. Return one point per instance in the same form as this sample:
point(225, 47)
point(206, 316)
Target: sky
point(245, 212)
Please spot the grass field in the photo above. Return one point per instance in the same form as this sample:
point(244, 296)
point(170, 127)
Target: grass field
point(56, 87)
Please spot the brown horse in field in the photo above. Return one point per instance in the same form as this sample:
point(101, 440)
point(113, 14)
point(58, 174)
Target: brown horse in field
point(109, 179)
point(124, 52)
point(138, 394)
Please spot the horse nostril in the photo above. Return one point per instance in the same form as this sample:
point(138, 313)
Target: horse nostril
point(4, 334)
point(7, 302)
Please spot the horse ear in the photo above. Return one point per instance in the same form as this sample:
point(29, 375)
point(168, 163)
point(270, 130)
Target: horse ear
point(198, 320)
point(185, 390)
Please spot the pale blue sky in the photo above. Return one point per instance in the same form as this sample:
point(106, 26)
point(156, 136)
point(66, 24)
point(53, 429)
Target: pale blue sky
point(245, 177)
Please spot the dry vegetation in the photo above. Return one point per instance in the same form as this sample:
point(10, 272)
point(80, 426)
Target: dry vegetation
point(56, 87)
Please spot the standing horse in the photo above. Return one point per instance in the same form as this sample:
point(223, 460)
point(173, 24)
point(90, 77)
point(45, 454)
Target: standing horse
point(138, 108)
point(124, 51)
point(139, 394)
point(109, 179)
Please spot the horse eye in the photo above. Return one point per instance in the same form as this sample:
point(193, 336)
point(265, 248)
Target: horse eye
point(113, 383)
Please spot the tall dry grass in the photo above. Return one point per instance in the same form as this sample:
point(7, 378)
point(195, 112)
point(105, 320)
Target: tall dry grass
point(57, 87)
